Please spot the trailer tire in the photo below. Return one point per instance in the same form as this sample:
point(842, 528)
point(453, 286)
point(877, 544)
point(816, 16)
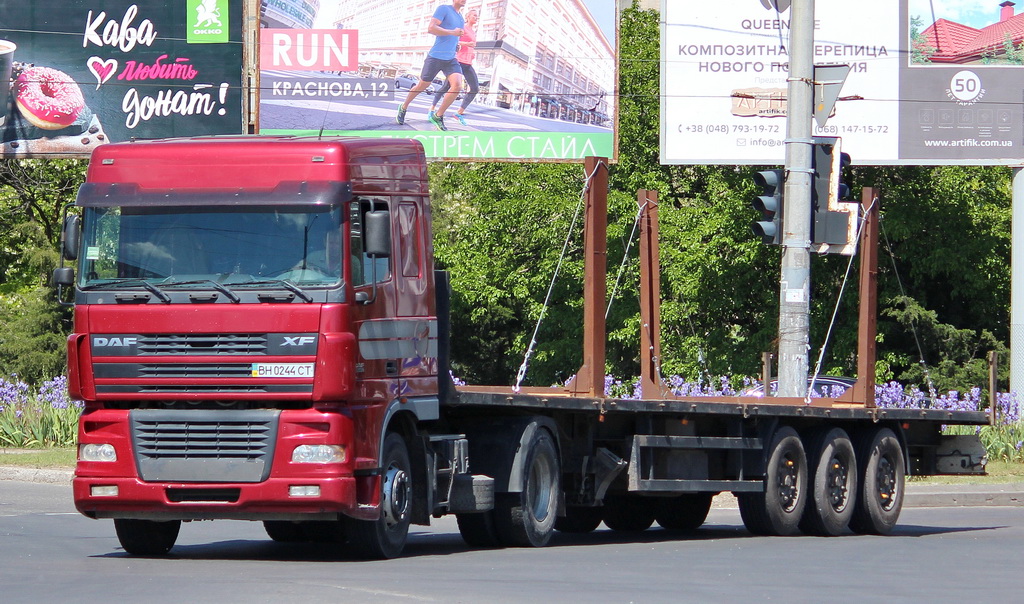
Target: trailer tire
point(685, 512)
point(833, 484)
point(778, 509)
point(882, 476)
point(579, 520)
point(628, 513)
point(146, 537)
point(527, 518)
point(385, 537)
point(478, 529)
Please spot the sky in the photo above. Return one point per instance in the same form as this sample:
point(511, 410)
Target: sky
point(603, 12)
point(975, 13)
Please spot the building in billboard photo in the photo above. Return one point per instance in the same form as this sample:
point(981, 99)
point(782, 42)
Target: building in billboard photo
point(548, 59)
point(998, 40)
point(294, 14)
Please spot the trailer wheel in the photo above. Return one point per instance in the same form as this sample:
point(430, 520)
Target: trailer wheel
point(478, 529)
point(579, 520)
point(685, 512)
point(527, 518)
point(883, 474)
point(385, 537)
point(833, 484)
point(146, 537)
point(628, 513)
point(778, 509)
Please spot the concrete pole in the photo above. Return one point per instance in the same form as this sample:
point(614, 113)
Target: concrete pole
point(1017, 285)
point(795, 289)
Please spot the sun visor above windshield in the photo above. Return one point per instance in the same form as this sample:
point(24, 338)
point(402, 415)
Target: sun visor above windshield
point(307, 193)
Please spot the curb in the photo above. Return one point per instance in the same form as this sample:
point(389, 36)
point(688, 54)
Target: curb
point(43, 475)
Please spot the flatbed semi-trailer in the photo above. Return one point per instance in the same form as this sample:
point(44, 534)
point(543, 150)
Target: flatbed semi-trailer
point(260, 334)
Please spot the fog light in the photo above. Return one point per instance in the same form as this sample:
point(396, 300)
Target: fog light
point(96, 452)
point(303, 491)
point(103, 491)
point(318, 454)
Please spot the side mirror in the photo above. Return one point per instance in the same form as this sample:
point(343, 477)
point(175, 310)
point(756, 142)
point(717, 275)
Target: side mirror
point(377, 226)
point(64, 276)
point(71, 237)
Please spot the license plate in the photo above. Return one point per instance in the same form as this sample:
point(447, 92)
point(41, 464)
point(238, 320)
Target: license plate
point(282, 370)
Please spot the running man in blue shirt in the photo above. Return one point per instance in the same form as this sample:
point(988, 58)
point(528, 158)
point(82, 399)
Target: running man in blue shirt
point(447, 24)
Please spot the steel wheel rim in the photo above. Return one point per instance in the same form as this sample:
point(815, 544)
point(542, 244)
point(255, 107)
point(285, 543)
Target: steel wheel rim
point(538, 487)
point(838, 481)
point(396, 495)
point(788, 483)
point(885, 477)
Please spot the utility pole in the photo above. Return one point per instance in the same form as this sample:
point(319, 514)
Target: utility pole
point(795, 290)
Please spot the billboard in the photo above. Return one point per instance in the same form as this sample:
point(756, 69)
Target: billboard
point(81, 73)
point(545, 73)
point(931, 81)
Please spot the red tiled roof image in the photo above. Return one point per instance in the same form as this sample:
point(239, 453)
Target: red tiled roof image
point(949, 42)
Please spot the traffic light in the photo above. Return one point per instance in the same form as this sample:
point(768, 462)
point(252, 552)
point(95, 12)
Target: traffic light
point(770, 204)
point(832, 224)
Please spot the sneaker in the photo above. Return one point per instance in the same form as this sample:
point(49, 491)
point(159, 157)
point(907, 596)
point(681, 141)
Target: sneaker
point(437, 120)
point(461, 119)
point(400, 118)
point(431, 116)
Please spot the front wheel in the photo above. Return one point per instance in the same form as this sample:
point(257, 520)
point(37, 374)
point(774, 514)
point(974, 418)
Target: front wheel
point(527, 518)
point(385, 537)
point(882, 474)
point(146, 537)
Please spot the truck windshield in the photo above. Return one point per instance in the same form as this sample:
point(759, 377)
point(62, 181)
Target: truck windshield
point(227, 245)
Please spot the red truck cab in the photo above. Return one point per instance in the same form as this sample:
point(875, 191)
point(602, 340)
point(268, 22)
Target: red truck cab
point(245, 331)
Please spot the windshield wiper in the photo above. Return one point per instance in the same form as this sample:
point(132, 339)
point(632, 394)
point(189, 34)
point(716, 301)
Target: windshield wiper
point(230, 295)
point(132, 282)
point(288, 285)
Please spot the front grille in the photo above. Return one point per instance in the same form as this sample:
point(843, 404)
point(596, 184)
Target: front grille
point(205, 389)
point(204, 445)
point(203, 344)
point(172, 370)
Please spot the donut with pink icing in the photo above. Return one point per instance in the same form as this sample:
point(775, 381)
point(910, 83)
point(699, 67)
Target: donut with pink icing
point(48, 98)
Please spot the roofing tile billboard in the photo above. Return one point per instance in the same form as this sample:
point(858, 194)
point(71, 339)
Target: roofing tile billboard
point(80, 73)
point(932, 81)
point(537, 76)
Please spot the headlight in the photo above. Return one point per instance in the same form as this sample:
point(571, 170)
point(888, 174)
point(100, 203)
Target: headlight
point(318, 454)
point(94, 452)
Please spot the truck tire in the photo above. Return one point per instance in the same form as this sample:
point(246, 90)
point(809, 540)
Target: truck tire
point(833, 483)
point(284, 531)
point(527, 518)
point(579, 520)
point(683, 513)
point(146, 537)
point(778, 509)
point(385, 537)
point(882, 476)
point(478, 529)
point(628, 513)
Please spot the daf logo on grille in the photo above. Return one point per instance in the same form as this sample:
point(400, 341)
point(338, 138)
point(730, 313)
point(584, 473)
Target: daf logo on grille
point(298, 340)
point(115, 342)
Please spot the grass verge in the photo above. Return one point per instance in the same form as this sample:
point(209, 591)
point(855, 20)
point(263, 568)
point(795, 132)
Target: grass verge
point(63, 458)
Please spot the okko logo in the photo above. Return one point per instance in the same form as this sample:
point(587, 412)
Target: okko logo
point(965, 88)
point(208, 21)
point(779, 6)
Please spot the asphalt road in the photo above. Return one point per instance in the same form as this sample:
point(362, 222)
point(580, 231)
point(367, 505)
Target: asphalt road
point(954, 554)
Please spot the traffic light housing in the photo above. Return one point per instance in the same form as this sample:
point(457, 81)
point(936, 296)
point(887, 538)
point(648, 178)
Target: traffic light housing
point(770, 204)
point(832, 224)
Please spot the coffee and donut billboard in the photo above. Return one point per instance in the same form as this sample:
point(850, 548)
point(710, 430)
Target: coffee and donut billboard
point(75, 74)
